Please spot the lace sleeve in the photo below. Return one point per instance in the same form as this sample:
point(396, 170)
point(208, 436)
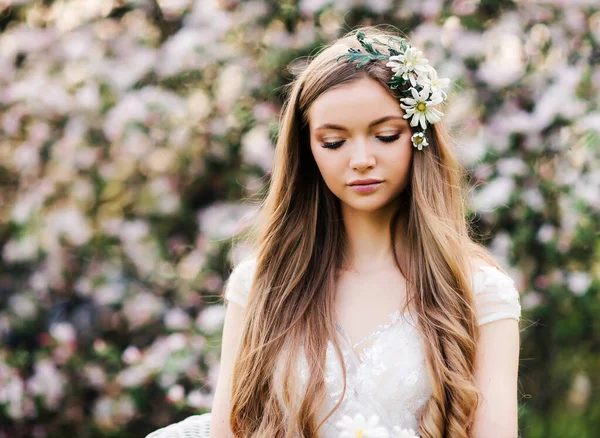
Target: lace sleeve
point(196, 426)
point(238, 284)
point(496, 296)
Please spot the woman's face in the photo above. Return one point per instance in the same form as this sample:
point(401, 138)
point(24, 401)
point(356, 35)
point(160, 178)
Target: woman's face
point(368, 138)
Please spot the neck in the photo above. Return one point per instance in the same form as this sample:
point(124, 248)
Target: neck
point(369, 247)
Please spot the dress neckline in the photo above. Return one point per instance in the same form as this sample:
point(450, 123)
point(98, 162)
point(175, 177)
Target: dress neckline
point(396, 316)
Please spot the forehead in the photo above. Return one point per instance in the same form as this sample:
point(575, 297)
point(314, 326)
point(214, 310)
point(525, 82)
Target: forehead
point(354, 104)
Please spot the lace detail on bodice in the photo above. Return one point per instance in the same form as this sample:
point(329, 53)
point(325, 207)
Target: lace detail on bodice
point(395, 317)
point(389, 377)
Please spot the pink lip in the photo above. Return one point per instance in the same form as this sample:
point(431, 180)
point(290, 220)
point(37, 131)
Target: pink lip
point(365, 188)
point(364, 181)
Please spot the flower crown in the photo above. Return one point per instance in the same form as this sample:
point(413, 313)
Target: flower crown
point(409, 66)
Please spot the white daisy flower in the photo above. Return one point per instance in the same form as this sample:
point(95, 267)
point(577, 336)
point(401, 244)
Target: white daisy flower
point(437, 85)
point(419, 140)
point(404, 433)
point(358, 427)
point(420, 108)
point(422, 79)
point(409, 64)
point(438, 95)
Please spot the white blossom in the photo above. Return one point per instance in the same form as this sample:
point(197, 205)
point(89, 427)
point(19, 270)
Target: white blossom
point(357, 426)
point(420, 108)
point(409, 65)
point(419, 140)
point(579, 282)
point(48, 383)
point(176, 393)
point(404, 433)
point(431, 80)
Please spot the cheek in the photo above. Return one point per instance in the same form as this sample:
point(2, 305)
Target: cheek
point(331, 172)
point(405, 153)
point(327, 163)
point(401, 162)
point(328, 170)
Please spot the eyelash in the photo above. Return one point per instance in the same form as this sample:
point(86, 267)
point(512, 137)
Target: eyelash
point(337, 144)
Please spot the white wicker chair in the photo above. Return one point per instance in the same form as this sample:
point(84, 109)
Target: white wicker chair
point(196, 426)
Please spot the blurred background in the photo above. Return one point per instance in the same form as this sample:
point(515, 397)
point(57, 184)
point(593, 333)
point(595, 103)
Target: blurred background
point(134, 132)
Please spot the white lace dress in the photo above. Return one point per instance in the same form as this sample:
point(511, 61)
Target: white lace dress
point(388, 377)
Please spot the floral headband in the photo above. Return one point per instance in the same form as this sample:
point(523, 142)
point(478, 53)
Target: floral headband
point(409, 65)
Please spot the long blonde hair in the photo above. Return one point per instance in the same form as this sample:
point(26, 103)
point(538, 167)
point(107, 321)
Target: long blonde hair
point(300, 244)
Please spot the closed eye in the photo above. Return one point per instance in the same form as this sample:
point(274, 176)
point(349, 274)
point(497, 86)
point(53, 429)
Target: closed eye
point(334, 145)
point(337, 144)
point(389, 139)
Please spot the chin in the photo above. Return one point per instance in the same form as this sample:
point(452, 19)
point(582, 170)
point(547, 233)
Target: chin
point(370, 206)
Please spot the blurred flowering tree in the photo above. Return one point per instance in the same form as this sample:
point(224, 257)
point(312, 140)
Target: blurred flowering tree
point(131, 130)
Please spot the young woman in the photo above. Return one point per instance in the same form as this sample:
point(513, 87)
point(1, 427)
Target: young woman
point(366, 294)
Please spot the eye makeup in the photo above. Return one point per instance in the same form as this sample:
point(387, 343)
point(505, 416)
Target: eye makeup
point(337, 144)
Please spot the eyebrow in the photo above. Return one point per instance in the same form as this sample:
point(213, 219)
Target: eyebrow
point(373, 123)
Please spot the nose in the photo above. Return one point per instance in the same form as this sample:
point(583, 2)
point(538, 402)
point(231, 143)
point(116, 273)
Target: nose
point(362, 155)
